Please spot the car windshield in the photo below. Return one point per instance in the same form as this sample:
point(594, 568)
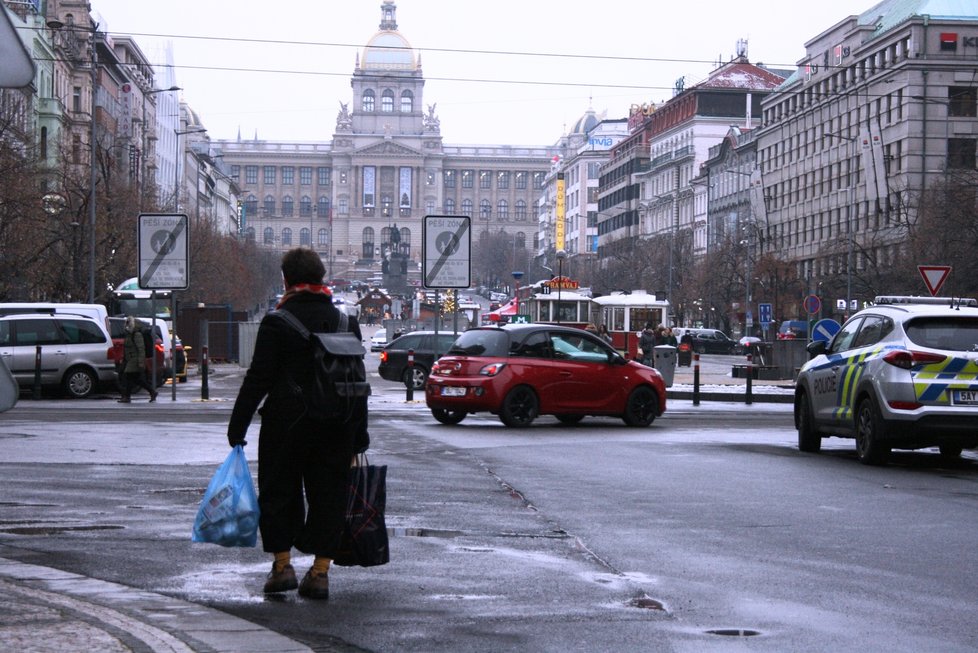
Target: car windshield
point(481, 342)
point(944, 332)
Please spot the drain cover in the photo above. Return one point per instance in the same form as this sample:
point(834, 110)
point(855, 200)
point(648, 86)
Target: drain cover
point(734, 632)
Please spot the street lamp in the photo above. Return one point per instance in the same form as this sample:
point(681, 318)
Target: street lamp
point(176, 164)
point(561, 255)
point(55, 24)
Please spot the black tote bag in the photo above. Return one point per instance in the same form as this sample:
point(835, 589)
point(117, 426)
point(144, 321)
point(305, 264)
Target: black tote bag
point(364, 542)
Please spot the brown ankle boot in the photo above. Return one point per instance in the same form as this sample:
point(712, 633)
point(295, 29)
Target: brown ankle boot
point(281, 580)
point(314, 586)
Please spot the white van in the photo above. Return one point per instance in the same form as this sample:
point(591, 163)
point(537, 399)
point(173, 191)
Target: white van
point(95, 312)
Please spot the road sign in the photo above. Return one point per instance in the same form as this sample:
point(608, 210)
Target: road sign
point(446, 251)
point(164, 251)
point(812, 304)
point(934, 276)
point(765, 313)
point(825, 330)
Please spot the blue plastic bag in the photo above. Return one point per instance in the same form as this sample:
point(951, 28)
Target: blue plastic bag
point(228, 513)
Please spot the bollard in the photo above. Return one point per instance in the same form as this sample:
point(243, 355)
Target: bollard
point(37, 372)
point(750, 376)
point(205, 392)
point(696, 379)
point(409, 377)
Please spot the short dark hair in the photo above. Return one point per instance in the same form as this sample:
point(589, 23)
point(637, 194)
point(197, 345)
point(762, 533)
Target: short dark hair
point(302, 265)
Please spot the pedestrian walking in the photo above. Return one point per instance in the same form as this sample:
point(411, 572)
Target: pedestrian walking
point(133, 372)
point(646, 344)
point(303, 463)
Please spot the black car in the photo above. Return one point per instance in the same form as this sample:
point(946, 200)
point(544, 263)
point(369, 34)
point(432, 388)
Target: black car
point(394, 357)
point(712, 341)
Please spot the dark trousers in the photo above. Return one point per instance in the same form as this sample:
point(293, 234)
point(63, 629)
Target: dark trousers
point(303, 463)
point(131, 380)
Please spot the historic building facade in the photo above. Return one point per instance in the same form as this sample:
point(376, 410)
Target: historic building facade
point(384, 169)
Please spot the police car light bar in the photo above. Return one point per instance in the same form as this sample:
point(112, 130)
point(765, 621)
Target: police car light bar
point(915, 299)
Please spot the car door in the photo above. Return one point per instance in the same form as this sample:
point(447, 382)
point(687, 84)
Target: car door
point(29, 333)
point(584, 380)
point(829, 373)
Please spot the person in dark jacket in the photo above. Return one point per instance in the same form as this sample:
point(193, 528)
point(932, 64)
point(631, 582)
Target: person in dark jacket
point(646, 344)
point(133, 369)
point(295, 451)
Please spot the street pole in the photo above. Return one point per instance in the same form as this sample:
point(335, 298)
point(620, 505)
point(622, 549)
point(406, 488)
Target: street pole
point(94, 172)
point(561, 255)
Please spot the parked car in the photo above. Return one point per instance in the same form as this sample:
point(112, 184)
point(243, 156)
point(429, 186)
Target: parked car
point(898, 375)
point(427, 348)
point(378, 340)
point(747, 345)
point(76, 351)
point(521, 371)
point(792, 329)
point(708, 341)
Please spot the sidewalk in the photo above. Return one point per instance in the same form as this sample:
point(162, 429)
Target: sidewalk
point(46, 610)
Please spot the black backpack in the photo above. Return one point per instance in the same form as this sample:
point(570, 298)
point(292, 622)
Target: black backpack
point(149, 342)
point(338, 370)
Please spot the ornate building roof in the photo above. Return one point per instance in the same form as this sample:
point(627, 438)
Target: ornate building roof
point(388, 49)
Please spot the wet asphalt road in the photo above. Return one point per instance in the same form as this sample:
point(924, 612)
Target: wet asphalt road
point(706, 532)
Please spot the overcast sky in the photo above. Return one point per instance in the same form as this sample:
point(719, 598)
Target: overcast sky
point(623, 52)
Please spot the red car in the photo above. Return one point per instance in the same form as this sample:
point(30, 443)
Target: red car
point(521, 371)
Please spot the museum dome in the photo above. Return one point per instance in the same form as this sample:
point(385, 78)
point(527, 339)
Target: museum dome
point(585, 123)
point(387, 49)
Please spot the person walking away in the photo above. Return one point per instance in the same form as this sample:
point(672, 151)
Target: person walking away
point(646, 344)
point(134, 363)
point(302, 461)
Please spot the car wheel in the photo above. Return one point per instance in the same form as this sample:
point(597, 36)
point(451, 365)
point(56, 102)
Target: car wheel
point(642, 407)
point(416, 376)
point(446, 416)
point(950, 451)
point(520, 407)
point(870, 433)
point(79, 382)
point(808, 438)
point(569, 420)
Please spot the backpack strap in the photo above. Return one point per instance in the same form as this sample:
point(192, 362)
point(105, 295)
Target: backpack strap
point(293, 321)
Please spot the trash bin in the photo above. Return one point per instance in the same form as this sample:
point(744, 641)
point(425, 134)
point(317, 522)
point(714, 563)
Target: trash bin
point(664, 360)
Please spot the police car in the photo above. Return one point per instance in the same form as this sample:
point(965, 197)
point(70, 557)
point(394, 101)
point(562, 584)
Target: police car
point(902, 374)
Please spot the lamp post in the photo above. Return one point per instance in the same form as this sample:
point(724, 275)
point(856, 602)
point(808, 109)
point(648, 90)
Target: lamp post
point(176, 164)
point(145, 143)
point(55, 24)
point(561, 255)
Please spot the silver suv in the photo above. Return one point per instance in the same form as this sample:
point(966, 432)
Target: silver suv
point(902, 374)
point(76, 351)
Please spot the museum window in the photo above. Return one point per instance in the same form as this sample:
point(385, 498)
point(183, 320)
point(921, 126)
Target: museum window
point(468, 177)
point(268, 174)
point(268, 207)
point(325, 175)
point(251, 205)
point(322, 238)
point(521, 177)
point(538, 179)
point(387, 101)
point(485, 179)
point(520, 211)
point(305, 237)
point(322, 207)
point(407, 102)
point(485, 209)
point(449, 178)
point(287, 205)
point(288, 175)
point(287, 236)
point(251, 174)
point(305, 175)
point(467, 207)
point(502, 182)
point(305, 207)
point(450, 207)
point(268, 236)
point(367, 101)
point(502, 209)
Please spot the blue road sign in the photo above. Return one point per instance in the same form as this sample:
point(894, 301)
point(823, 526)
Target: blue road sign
point(765, 311)
point(825, 330)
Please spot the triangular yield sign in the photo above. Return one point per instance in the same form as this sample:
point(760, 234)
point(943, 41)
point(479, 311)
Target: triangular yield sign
point(934, 277)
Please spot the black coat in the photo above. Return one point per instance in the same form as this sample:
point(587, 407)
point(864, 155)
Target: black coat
point(280, 352)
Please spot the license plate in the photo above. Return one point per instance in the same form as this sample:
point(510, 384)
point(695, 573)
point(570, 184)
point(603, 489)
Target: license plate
point(968, 397)
point(450, 391)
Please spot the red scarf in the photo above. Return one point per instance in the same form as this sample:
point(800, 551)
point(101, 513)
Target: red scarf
point(292, 291)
